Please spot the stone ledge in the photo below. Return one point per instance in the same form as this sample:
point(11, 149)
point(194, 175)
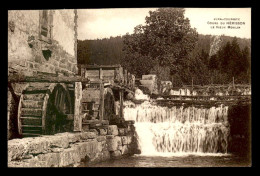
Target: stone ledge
point(18, 148)
point(70, 149)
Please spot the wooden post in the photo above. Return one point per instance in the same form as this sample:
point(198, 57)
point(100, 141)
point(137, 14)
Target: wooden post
point(101, 109)
point(19, 116)
point(77, 105)
point(133, 79)
point(192, 85)
point(121, 95)
point(100, 73)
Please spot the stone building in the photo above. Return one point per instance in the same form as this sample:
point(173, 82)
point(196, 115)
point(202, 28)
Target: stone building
point(39, 41)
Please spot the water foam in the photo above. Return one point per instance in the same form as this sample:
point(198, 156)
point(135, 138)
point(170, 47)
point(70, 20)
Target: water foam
point(179, 131)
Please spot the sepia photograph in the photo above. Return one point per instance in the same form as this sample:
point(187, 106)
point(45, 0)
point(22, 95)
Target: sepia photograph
point(129, 87)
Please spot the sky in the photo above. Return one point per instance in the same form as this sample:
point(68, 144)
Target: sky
point(103, 23)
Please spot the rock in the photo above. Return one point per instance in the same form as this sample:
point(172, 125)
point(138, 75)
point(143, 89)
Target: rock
point(104, 146)
point(129, 139)
point(112, 130)
point(132, 127)
point(124, 140)
point(130, 122)
point(27, 157)
point(110, 136)
point(105, 155)
point(116, 154)
point(69, 156)
point(103, 131)
point(101, 138)
point(85, 127)
point(125, 150)
point(112, 144)
point(97, 158)
point(99, 147)
point(92, 147)
point(134, 149)
point(94, 130)
point(62, 141)
point(119, 147)
point(51, 159)
point(85, 148)
point(122, 131)
point(119, 140)
point(129, 96)
point(70, 137)
point(27, 163)
point(91, 157)
point(15, 150)
point(56, 150)
point(88, 135)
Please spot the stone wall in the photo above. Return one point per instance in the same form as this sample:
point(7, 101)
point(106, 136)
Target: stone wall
point(26, 50)
point(73, 149)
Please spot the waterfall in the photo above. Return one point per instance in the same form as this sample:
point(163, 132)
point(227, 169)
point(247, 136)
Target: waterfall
point(179, 130)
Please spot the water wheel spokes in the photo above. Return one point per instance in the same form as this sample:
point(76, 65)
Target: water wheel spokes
point(43, 109)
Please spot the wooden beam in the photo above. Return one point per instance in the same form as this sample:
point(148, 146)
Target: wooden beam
point(100, 73)
point(77, 107)
point(121, 95)
point(201, 96)
point(46, 78)
point(101, 109)
point(213, 85)
point(100, 66)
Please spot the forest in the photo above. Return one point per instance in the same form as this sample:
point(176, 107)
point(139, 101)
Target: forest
point(169, 47)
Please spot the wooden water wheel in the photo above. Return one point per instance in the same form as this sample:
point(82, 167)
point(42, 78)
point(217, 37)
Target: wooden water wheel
point(43, 109)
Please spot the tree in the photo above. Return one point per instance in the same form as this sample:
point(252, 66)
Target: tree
point(246, 59)
point(165, 40)
point(204, 57)
point(230, 62)
point(214, 62)
point(236, 61)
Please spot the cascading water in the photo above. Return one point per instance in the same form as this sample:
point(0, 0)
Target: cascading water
point(179, 130)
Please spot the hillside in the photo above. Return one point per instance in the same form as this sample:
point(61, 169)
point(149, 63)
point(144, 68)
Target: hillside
point(109, 50)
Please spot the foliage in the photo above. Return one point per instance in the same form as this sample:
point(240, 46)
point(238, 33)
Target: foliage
point(167, 46)
point(164, 41)
point(230, 62)
point(101, 51)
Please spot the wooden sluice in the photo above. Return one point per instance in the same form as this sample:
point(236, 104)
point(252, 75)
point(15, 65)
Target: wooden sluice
point(115, 82)
point(207, 95)
point(180, 100)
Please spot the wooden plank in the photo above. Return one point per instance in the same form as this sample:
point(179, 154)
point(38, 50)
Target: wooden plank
point(92, 73)
point(100, 66)
point(31, 126)
point(19, 115)
point(31, 134)
point(121, 96)
point(44, 111)
point(100, 73)
point(109, 73)
point(46, 78)
point(200, 96)
point(77, 114)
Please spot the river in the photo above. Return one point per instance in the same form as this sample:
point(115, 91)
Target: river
point(180, 136)
point(177, 161)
